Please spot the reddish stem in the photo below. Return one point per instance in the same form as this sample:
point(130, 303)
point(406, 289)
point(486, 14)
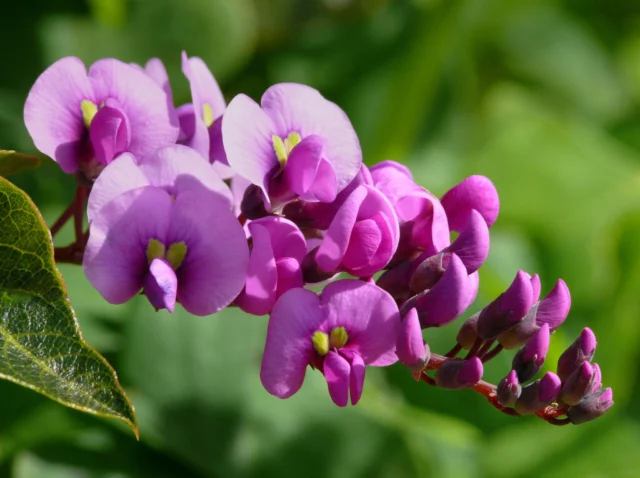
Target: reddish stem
point(454, 351)
point(474, 349)
point(489, 355)
point(63, 219)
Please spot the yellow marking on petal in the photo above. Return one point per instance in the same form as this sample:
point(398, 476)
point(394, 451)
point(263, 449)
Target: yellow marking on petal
point(89, 110)
point(176, 254)
point(155, 250)
point(320, 342)
point(339, 338)
point(207, 114)
point(292, 141)
point(279, 148)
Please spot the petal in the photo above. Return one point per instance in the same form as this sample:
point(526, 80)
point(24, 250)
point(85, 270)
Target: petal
point(115, 259)
point(161, 285)
point(369, 315)
point(363, 244)
point(289, 275)
point(555, 307)
point(178, 169)
point(475, 192)
point(288, 349)
point(299, 108)
point(518, 298)
point(308, 174)
point(356, 378)
point(410, 344)
point(217, 153)
point(199, 139)
point(110, 133)
point(259, 293)
point(215, 268)
point(121, 175)
point(337, 373)
point(158, 73)
point(204, 87)
point(52, 111)
point(286, 238)
point(336, 240)
point(187, 121)
point(472, 289)
point(430, 231)
point(153, 123)
point(472, 245)
point(246, 135)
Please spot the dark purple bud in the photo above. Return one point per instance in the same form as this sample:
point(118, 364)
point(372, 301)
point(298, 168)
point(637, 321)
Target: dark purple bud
point(537, 395)
point(597, 378)
point(446, 300)
point(396, 281)
point(428, 272)
point(508, 309)
point(591, 407)
point(509, 390)
point(522, 332)
point(579, 384)
point(554, 308)
point(475, 192)
point(581, 350)
point(472, 245)
point(311, 273)
point(410, 346)
point(468, 333)
point(529, 359)
point(459, 374)
point(253, 204)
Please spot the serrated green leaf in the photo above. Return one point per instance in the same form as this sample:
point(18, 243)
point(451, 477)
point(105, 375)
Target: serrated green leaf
point(41, 346)
point(12, 162)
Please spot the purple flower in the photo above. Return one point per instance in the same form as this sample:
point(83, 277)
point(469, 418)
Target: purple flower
point(581, 350)
point(352, 324)
point(530, 358)
point(362, 237)
point(459, 374)
point(537, 395)
point(275, 263)
point(591, 407)
point(475, 192)
point(155, 69)
point(411, 349)
point(578, 384)
point(84, 120)
point(296, 144)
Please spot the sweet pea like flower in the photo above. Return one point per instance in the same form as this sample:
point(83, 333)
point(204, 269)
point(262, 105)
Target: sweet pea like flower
point(411, 348)
point(275, 263)
point(362, 237)
point(83, 120)
point(351, 324)
point(475, 192)
point(296, 144)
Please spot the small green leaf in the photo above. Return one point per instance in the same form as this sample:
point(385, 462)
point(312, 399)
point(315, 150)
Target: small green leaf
point(12, 162)
point(41, 346)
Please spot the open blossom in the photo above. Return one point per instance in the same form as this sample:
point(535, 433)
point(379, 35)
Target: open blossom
point(278, 248)
point(83, 120)
point(296, 144)
point(352, 324)
point(167, 232)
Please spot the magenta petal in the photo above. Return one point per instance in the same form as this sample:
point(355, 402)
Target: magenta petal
point(199, 139)
point(472, 245)
point(337, 373)
point(365, 240)
point(554, 308)
point(121, 175)
point(204, 87)
point(215, 267)
point(369, 315)
point(472, 290)
point(537, 347)
point(246, 135)
point(302, 164)
point(475, 192)
point(518, 298)
point(289, 275)
point(430, 231)
point(153, 123)
point(161, 285)
point(217, 153)
point(158, 73)
point(110, 133)
point(356, 377)
point(187, 121)
point(535, 287)
point(286, 239)
point(299, 108)
point(288, 349)
point(259, 293)
point(410, 346)
point(52, 111)
point(115, 259)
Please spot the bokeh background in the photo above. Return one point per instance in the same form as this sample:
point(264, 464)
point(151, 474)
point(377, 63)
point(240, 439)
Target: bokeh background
point(541, 96)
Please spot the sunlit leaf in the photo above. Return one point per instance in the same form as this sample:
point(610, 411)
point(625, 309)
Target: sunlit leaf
point(40, 342)
point(12, 162)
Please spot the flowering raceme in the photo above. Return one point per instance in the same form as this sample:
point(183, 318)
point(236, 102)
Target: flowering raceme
point(298, 207)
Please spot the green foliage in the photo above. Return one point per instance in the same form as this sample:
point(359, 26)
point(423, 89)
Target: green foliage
point(12, 162)
point(40, 340)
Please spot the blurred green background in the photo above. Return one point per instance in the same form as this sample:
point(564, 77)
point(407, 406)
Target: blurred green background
point(541, 96)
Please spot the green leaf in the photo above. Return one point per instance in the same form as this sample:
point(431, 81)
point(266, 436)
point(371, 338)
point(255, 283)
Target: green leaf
point(41, 346)
point(12, 162)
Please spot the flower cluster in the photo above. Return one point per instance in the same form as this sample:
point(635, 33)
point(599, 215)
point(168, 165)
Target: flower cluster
point(210, 205)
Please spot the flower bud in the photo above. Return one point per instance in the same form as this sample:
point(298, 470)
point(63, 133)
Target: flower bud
point(428, 272)
point(554, 308)
point(468, 333)
point(253, 203)
point(459, 374)
point(591, 407)
point(396, 281)
point(530, 358)
point(472, 245)
point(581, 350)
point(579, 384)
point(410, 346)
point(475, 192)
point(597, 378)
point(539, 394)
point(523, 330)
point(509, 390)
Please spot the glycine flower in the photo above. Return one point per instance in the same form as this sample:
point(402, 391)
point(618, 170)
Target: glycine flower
point(362, 237)
point(296, 144)
point(83, 120)
point(352, 324)
point(278, 248)
point(155, 69)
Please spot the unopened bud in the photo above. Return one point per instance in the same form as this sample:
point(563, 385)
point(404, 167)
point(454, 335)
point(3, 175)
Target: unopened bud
point(410, 346)
point(253, 203)
point(591, 407)
point(581, 350)
point(428, 273)
point(537, 395)
point(509, 390)
point(396, 281)
point(597, 378)
point(530, 358)
point(311, 273)
point(522, 332)
point(579, 384)
point(459, 374)
point(468, 333)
